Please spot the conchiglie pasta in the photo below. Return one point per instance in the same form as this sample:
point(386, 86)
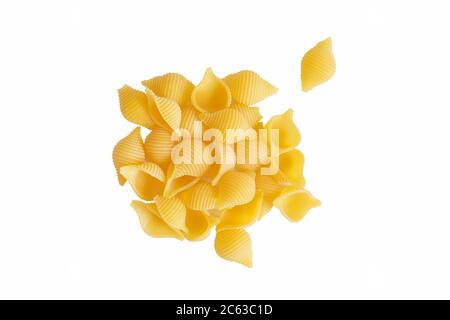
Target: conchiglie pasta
point(294, 203)
point(179, 183)
point(288, 135)
point(211, 94)
point(201, 196)
point(191, 122)
point(129, 150)
point(172, 86)
point(172, 211)
point(318, 65)
point(234, 245)
point(146, 179)
point(291, 168)
point(235, 188)
point(158, 146)
point(248, 87)
point(164, 112)
point(251, 114)
point(134, 106)
point(242, 216)
point(199, 225)
point(151, 222)
point(224, 120)
point(226, 161)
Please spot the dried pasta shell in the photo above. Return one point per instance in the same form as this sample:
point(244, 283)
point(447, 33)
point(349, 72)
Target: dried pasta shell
point(289, 136)
point(234, 245)
point(177, 184)
point(146, 179)
point(235, 188)
point(242, 216)
point(158, 146)
point(266, 206)
point(151, 222)
point(291, 168)
point(201, 196)
point(294, 203)
point(199, 225)
point(211, 94)
point(226, 162)
point(129, 150)
point(165, 113)
point(318, 65)
point(226, 119)
point(251, 114)
point(171, 86)
point(134, 106)
point(248, 87)
point(172, 211)
point(271, 189)
point(189, 117)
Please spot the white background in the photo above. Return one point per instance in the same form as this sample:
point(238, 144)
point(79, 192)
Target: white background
point(375, 138)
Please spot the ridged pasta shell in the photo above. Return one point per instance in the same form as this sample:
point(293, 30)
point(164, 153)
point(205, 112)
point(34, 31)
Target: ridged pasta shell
point(318, 65)
point(134, 106)
point(172, 211)
point(291, 168)
point(235, 188)
point(266, 206)
point(158, 146)
point(171, 86)
point(211, 94)
point(251, 114)
point(234, 245)
point(201, 196)
point(129, 150)
point(294, 203)
point(151, 222)
point(199, 225)
point(165, 113)
point(248, 87)
point(242, 216)
point(270, 188)
point(289, 136)
point(226, 119)
point(227, 162)
point(175, 185)
point(146, 179)
point(188, 118)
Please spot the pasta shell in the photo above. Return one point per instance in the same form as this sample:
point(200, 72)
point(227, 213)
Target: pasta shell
point(248, 87)
point(201, 196)
point(171, 86)
point(146, 179)
point(226, 119)
point(294, 203)
point(235, 188)
point(129, 150)
point(318, 65)
point(165, 113)
point(226, 161)
point(178, 184)
point(199, 225)
point(172, 211)
point(234, 245)
point(288, 135)
point(291, 168)
point(158, 146)
point(152, 224)
point(134, 106)
point(189, 117)
point(266, 206)
point(242, 216)
point(271, 189)
point(211, 94)
point(251, 114)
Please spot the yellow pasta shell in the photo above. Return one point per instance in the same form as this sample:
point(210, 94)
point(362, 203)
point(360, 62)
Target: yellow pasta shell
point(188, 117)
point(129, 150)
point(172, 211)
point(248, 87)
point(178, 183)
point(235, 188)
point(158, 146)
point(199, 225)
point(171, 86)
point(152, 224)
point(225, 119)
point(201, 196)
point(289, 136)
point(266, 206)
point(234, 245)
point(211, 94)
point(294, 203)
point(242, 216)
point(270, 189)
point(134, 106)
point(227, 162)
point(146, 179)
point(318, 65)
point(291, 168)
point(164, 112)
point(251, 114)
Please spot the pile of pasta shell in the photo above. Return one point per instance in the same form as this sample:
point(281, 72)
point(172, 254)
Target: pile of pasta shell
point(189, 200)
